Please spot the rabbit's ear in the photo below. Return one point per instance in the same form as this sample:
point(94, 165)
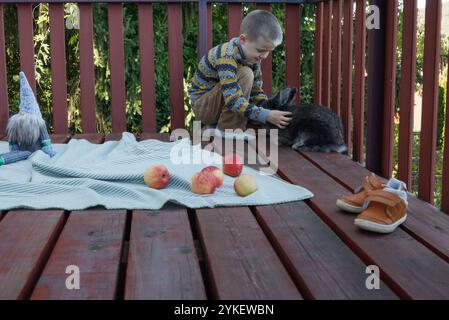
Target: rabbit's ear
point(273, 103)
point(286, 95)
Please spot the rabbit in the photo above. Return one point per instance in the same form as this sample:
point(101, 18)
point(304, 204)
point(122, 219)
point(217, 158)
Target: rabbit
point(312, 128)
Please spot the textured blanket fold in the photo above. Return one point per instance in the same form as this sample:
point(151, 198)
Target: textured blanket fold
point(84, 175)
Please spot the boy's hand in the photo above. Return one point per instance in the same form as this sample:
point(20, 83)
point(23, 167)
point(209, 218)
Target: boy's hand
point(281, 119)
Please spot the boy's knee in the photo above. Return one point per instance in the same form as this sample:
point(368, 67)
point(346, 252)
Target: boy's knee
point(245, 76)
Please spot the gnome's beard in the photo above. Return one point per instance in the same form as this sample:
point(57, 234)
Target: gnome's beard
point(24, 128)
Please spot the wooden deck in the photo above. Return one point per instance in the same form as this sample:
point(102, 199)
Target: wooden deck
point(300, 250)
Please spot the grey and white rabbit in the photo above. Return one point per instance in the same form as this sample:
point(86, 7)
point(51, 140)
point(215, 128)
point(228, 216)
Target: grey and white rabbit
point(312, 128)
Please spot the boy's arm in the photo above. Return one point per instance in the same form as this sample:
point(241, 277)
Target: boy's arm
point(258, 97)
point(233, 94)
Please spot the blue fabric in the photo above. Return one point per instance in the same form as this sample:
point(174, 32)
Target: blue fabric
point(28, 102)
point(83, 174)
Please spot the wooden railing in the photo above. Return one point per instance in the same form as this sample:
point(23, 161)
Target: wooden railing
point(339, 80)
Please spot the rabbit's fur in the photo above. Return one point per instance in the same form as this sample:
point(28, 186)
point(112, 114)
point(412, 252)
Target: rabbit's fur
point(312, 128)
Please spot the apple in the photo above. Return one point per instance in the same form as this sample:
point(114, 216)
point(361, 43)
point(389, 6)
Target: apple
point(217, 172)
point(203, 183)
point(245, 185)
point(156, 176)
point(232, 164)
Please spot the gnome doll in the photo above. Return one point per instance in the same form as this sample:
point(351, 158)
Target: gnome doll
point(27, 131)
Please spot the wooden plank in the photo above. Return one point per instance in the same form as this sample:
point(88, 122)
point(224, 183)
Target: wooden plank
point(58, 68)
point(318, 261)
point(389, 88)
point(241, 264)
point(162, 262)
point(87, 71)
point(175, 65)
point(318, 52)
point(59, 138)
point(117, 66)
point(267, 64)
point(424, 221)
point(146, 49)
point(26, 240)
point(359, 80)
point(326, 73)
point(113, 137)
point(347, 73)
point(91, 137)
point(427, 146)
point(292, 47)
point(158, 136)
point(26, 42)
point(409, 268)
point(407, 92)
point(235, 16)
point(4, 105)
point(92, 241)
point(336, 56)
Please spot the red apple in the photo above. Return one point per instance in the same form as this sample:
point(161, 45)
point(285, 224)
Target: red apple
point(203, 183)
point(217, 172)
point(232, 164)
point(156, 176)
point(245, 185)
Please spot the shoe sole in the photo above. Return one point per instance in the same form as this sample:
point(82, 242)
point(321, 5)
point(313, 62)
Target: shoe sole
point(348, 207)
point(377, 227)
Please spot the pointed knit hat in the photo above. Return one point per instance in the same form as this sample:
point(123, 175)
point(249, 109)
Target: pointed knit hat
point(28, 102)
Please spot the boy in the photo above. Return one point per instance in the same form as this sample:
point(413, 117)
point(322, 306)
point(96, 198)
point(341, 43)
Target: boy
point(227, 89)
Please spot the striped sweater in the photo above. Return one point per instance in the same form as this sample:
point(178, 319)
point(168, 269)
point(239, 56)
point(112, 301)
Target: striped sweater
point(220, 65)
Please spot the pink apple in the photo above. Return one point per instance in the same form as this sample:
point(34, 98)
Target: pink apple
point(156, 176)
point(245, 185)
point(232, 164)
point(203, 183)
point(217, 172)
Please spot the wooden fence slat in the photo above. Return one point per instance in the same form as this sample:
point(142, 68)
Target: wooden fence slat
point(427, 150)
point(409, 268)
point(267, 64)
point(58, 68)
point(390, 88)
point(292, 47)
point(87, 72)
point(91, 240)
point(26, 42)
point(318, 53)
point(336, 56)
point(146, 47)
point(308, 247)
point(175, 65)
point(327, 25)
point(240, 261)
point(235, 16)
point(407, 92)
point(424, 221)
point(26, 240)
point(347, 72)
point(117, 66)
point(359, 81)
point(4, 105)
point(162, 262)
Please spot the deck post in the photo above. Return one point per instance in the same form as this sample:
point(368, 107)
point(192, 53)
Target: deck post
point(375, 98)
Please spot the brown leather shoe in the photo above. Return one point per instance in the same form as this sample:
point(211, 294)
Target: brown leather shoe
point(384, 210)
point(354, 202)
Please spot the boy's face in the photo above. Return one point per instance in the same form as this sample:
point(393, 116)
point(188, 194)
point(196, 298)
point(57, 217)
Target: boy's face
point(255, 51)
